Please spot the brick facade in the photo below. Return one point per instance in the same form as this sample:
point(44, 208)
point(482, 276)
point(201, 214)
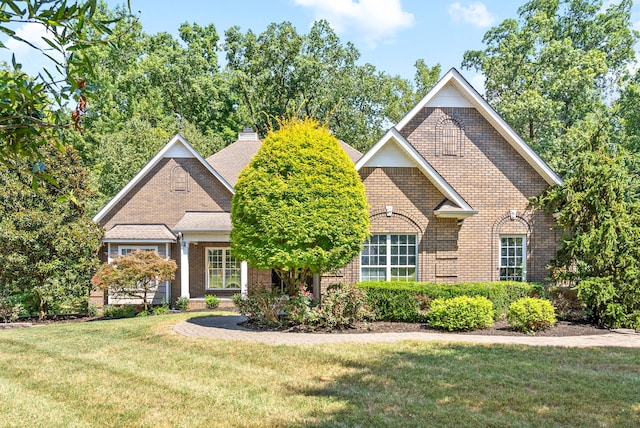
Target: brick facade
point(491, 177)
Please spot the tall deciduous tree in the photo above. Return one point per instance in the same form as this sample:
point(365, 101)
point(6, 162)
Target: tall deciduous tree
point(299, 206)
point(559, 61)
point(280, 72)
point(598, 211)
point(48, 246)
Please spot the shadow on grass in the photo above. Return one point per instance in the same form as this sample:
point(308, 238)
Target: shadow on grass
point(457, 385)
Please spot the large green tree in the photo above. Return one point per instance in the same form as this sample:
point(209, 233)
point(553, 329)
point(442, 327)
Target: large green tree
point(281, 72)
point(598, 210)
point(48, 246)
point(299, 207)
point(559, 61)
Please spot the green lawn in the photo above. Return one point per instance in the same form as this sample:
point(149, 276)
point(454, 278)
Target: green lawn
point(136, 372)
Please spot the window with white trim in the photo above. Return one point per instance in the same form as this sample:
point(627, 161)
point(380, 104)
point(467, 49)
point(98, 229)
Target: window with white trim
point(124, 250)
point(513, 257)
point(223, 269)
point(389, 258)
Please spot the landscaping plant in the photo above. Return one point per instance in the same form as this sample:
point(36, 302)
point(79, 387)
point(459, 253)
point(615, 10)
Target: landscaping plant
point(530, 314)
point(461, 313)
point(211, 301)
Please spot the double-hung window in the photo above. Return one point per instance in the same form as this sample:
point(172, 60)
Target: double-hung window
point(513, 258)
point(223, 269)
point(389, 258)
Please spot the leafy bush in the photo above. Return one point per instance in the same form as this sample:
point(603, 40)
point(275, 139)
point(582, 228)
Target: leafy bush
point(343, 305)
point(262, 304)
point(410, 301)
point(300, 309)
point(211, 301)
point(531, 314)
point(461, 313)
point(182, 303)
point(124, 311)
point(9, 309)
point(92, 310)
point(162, 309)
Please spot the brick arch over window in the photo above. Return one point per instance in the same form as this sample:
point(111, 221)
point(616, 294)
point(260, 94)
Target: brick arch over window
point(450, 136)
point(508, 224)
point(179, 179)
point(380, 218)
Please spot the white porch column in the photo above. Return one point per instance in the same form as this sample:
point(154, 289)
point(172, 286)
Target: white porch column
point(244, 274)
point(184, 268)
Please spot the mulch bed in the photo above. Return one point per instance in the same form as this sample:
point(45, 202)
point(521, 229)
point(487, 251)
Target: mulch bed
point(500, 328)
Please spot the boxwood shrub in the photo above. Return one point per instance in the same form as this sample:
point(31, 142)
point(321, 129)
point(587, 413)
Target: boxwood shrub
point(461, 313)
point(410, 301)
point(530, 314)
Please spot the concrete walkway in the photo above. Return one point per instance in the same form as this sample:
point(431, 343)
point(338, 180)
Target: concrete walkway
point(227, 328)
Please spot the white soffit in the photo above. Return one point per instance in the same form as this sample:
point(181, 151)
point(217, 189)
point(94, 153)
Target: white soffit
point(390, 155)
point(178, 146)
point(449, 96)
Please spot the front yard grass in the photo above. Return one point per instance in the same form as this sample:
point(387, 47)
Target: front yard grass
point(136, 372)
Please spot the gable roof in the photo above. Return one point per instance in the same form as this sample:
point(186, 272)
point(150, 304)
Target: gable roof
point(231, 160)
point(408, 152)
point(178, 147)
point(438, 96)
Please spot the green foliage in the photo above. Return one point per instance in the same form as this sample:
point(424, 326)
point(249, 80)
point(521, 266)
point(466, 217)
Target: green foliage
point(92, 310)
point(408, 301)
point(211, 301)
point(262, 304)
point(135, 274)
point(461, 313)
point(280, 72)
point(124, 311)
point(163, 309)
point(182, 303)
point(10, 308)
point(530, 314)
point(28, 119)
point(343, 305)
point(299, 207)
point(597, 209)
point(558, 62)
point(48, 246)
point(299, 308)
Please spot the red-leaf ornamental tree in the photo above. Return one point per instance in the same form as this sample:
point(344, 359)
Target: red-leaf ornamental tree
point(299, 207)
point(135, 275)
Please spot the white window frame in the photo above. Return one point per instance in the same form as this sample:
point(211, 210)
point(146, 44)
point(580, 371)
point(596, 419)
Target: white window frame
point(224, 250)
point(388, 266)
point(524, 258)
point(137, 247)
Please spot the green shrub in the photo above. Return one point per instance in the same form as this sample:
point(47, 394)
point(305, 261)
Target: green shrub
point(10, 309)
point(142, 313)
point(211, 301)
point(123, 311)
point(299, 308)
point(530, 314)
point(409, 301)
point(163, 309)
point(92, 310)
point(344, 305)
point(182, 303)
point(461, 313)
point(262, 304)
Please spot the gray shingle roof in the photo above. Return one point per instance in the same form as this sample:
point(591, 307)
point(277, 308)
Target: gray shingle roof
point(199, 221)
point(139, 232)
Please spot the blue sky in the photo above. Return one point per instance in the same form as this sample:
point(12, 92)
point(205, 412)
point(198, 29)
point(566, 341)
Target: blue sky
point(390, 34)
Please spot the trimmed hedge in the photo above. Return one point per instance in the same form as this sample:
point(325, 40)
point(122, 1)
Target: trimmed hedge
point(410, 301)
point(530, 314)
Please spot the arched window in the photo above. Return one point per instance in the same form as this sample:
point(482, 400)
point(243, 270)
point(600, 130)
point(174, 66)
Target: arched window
point(179, 179)
point(449, 137)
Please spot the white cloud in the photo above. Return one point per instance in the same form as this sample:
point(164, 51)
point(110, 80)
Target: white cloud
point(475, 14)
point(374, 20)
point(31, 32)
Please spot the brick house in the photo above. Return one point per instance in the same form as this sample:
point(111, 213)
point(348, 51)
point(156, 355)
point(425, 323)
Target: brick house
point(448, 188)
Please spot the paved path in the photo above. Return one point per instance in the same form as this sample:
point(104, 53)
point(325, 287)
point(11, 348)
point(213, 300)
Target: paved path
point(227, 328)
